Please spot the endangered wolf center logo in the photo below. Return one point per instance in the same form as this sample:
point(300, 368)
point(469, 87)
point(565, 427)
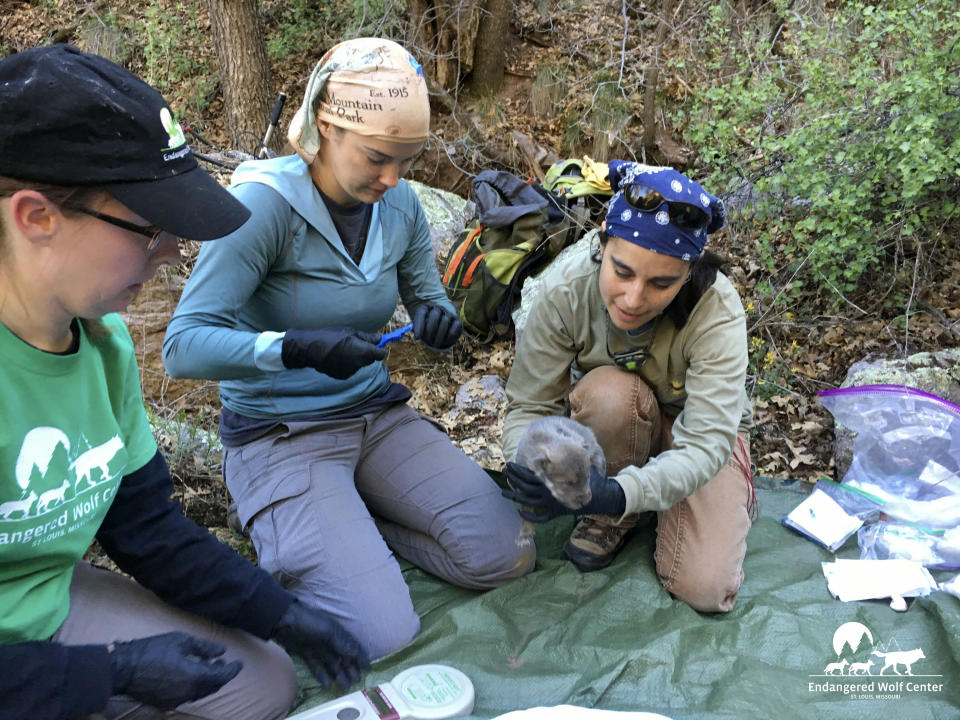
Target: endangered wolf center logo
point(62, 485)
point(872, 669)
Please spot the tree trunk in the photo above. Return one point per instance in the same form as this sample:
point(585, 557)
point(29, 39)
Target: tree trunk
point(244, 71)
point(490, 56)
point(651, 76)
point(442, 35)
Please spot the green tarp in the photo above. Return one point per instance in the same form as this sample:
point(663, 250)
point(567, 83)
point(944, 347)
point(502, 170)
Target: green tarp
point(614, 639)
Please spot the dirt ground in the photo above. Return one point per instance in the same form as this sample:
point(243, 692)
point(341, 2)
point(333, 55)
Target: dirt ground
point(147, 318)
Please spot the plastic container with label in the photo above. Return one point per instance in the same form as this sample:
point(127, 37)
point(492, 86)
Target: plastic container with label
point(423, 692)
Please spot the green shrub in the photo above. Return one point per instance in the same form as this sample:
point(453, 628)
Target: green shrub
point(609, 115)
point(104, 33)
point(847, 130)
point(548, 88)
point(298, 25)
point(173, 40)
point(378, 18)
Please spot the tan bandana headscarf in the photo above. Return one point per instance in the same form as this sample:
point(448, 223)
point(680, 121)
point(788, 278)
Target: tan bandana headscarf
point(371, 86)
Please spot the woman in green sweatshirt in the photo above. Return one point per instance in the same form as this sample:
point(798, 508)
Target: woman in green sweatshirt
point(644, 341)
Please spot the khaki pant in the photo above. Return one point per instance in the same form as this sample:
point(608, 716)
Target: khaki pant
point(107, 607)
point(329, 502)
point(702, 540)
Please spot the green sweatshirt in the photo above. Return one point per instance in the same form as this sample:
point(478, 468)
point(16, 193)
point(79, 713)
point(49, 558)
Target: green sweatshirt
point(697, 373)
point(73, 426)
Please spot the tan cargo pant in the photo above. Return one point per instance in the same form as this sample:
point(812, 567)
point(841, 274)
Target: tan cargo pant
point(107, 607)
point(702, 540)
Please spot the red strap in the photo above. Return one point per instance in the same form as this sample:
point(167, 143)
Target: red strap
point(468, 278)
point(454, 262)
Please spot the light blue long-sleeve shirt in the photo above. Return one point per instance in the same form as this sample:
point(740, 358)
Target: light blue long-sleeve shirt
point(286, 267)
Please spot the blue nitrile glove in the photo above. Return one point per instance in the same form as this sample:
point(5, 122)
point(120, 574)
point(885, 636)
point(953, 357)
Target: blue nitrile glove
point(329, 650)
point(538, 505)
point(165, 671)
point(436, 327)
point(335, 351)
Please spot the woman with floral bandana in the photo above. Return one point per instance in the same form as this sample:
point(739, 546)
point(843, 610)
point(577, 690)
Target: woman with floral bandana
point(652, 338)
point(331, 470)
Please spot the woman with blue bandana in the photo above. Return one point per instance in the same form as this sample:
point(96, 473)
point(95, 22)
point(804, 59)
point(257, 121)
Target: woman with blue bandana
point(653, 339)
point(331, 470)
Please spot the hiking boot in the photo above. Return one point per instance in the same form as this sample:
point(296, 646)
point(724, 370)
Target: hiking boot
point(233, 520)
point(596, 540)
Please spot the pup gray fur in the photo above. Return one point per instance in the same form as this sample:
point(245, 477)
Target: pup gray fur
point(560, 452)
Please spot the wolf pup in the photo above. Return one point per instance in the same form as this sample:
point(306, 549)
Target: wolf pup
point(560, 452)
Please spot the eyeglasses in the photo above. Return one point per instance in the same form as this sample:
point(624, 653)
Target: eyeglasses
point(683, 215)
point(151, 231)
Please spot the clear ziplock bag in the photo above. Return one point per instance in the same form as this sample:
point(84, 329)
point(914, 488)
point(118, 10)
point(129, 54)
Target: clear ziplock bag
point(906, 459)
point(906, 450)
point(832, 512)
point(935, 549)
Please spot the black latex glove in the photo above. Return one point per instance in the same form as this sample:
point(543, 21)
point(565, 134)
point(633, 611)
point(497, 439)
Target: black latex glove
point(538, 505)
point(165, 671)
point(335, 351)
point(436, 327)
point(329, 650)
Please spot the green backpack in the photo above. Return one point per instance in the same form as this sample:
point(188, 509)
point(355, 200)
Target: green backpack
point(515, 234)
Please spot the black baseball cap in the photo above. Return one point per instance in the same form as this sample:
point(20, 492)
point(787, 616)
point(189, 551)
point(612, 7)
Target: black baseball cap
point(75, 119)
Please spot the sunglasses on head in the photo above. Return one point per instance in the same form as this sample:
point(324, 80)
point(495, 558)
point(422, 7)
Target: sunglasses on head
point(684, 215)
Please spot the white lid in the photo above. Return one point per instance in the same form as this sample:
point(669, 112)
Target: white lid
point(434, 692)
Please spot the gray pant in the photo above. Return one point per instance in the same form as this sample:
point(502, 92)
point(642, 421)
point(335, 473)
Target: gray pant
point(326, 502)
point(107, 607)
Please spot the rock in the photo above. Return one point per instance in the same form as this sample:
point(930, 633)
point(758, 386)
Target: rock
point(182, 437)
point(533, 285)
point(477, 418)
point(482, 396)
point(937, 373)
point(400, 317)
point(446, 213)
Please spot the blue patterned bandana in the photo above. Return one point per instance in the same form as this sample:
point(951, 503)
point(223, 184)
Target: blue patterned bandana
point(652, 229)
